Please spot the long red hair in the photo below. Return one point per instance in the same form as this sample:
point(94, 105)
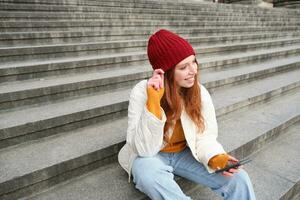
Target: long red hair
point(176, 97)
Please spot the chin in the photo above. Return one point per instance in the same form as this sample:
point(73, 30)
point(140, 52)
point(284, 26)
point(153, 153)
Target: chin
point(187, 85)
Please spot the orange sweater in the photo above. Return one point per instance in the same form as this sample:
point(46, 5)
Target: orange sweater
point(177, 141)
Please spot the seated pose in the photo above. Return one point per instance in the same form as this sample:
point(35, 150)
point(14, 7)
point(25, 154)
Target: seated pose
point(172, 128)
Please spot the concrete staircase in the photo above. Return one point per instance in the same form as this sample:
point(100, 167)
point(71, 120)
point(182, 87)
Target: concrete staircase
point(67, 68)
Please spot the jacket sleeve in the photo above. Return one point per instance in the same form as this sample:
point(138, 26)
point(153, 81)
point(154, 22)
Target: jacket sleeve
point(145, 130)
point(206, 142)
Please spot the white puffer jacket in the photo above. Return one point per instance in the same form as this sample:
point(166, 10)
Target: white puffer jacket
point(145, 130)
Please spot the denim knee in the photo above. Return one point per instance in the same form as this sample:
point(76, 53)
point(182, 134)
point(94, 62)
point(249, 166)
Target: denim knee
point(145, 170)
point(242, 178)
point(239, 187)
point(142, 175)
point(153, 177)
point(148, 175)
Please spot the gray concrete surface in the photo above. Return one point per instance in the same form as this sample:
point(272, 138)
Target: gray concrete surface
point(65, 78)
point(270, 175)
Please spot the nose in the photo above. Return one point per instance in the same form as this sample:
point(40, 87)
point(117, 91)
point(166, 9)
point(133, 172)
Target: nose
point(193, 69)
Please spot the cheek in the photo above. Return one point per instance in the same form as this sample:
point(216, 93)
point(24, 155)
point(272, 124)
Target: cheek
point(179, 76)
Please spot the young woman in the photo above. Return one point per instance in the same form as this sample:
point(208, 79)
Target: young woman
point(172, 128)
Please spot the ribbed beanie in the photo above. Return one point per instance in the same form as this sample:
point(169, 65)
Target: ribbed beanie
point(166, 49)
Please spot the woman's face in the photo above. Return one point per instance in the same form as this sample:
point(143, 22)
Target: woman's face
point(185, 72)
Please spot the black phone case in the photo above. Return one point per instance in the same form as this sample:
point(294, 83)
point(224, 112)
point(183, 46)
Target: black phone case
point(235, 165)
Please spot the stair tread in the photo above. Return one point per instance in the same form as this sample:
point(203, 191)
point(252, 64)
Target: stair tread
point(206, 76)
point(283, 171)
point(204, 59)
point(78, 44)
point(120, 31)
point(89, 22)
point(37, 113)
point(97, 183)
point(13, 157)
point(226, 56)
point(179, 6)
point(272, 172)
point(141, 32)
point(229, 95)
point(142, 5)
point(64, 60)
point(71, 44)
point(26, 15)
point(70, 78)
point(239, 124)
point(56, 149)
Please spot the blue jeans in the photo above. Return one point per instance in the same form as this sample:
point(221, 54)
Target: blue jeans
point(154, 176)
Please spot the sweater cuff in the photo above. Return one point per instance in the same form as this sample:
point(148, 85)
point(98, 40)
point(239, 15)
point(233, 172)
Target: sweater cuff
point(153, 101)
point(219, 161)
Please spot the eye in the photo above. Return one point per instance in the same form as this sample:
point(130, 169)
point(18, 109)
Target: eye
point(182, 68)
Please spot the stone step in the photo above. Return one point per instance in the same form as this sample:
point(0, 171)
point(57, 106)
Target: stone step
point(208, 51)
point(256, 127)
point(204, 15)
point(215, 39)
point(138, 5)
point(22, 93)
point(181, 2)
point(34, 122)
point(106, 25)
point(44, 38)
point(27, 53)
point(37, 69)
point(151, 5)
point(126, 5)
point(87, 25)
point(50, 119)
point(274, 174)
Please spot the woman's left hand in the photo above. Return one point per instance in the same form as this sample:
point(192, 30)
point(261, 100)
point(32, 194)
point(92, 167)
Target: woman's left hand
point(232, 171)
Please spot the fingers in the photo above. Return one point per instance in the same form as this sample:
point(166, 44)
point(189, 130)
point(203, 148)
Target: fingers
point(157, 79)
point(231, 171)
point(228, 174)
point(154, 84)
point(159, 71)
point(231, 158)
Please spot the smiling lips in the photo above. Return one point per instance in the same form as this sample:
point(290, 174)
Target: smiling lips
point(190, 78)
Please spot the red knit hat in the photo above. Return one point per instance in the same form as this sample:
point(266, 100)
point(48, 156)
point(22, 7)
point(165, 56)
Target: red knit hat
point(166, 49)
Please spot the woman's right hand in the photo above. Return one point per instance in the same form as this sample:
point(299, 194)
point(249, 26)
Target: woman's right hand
point(157, 79)
point(155, 91)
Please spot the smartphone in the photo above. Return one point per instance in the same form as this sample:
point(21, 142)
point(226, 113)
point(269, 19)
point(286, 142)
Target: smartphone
point(235, 165)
